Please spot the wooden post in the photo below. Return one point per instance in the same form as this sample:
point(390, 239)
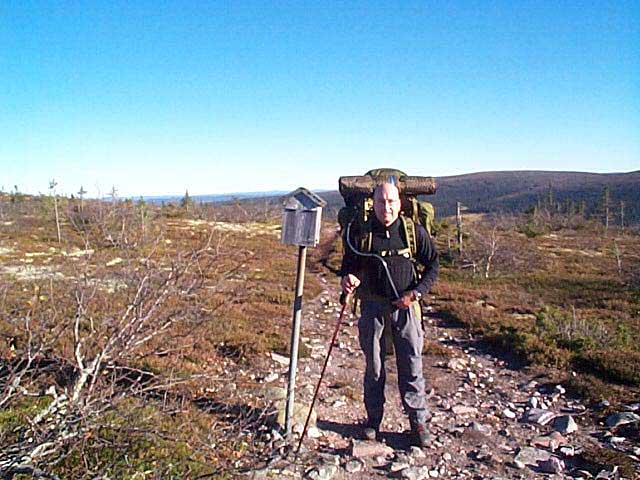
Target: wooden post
point(295, 338)
point(459, 225)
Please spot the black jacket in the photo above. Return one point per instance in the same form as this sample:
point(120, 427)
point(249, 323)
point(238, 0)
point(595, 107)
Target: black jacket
point(372, 274)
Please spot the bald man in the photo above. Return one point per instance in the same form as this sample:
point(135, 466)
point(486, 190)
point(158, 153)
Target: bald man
point(380, 306)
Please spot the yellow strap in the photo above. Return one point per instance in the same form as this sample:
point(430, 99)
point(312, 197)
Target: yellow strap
point(389, 253)
point(410, 235)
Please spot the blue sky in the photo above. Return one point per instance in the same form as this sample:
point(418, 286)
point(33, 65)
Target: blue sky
point(156, 97)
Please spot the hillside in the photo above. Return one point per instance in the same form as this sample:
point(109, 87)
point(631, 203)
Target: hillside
point(517, 191)
point(146, 341)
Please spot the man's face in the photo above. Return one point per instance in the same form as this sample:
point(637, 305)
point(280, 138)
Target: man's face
point(386, 203)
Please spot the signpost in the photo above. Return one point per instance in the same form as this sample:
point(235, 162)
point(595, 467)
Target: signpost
point(301, 219)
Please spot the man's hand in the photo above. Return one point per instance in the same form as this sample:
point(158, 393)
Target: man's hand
point(349, 283)
point(405, 300)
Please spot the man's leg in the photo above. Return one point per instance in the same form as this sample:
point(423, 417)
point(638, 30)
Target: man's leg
point(371, 336)
point(408, 339)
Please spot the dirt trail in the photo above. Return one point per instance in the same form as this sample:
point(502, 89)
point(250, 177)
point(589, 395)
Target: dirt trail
point(479, 404)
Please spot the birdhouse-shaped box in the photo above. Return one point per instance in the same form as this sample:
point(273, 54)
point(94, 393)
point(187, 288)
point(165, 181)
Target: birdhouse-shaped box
point(301, 218)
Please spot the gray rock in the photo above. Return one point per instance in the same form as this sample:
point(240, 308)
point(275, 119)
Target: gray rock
point(616, 440)
point(362, 449)
point(614, 474)
point(567, 450)
point(457, 364)
point(622, 418)
point(483, 454)
point(507, 413)
point(531, 456)
point(551, 441)
point(539, 416)
point(413, 473)
point(480, 428)
point(417, 452)
point(324, 472)
point(354, 466)
point(300, 412)
point(551, 465)
point(464, 410)
point(565, 424)
point(395, 467)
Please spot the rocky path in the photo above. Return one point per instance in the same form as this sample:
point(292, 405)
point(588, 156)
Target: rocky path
point(491, 419)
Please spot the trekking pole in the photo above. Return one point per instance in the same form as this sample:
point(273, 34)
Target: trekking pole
point(344, 300)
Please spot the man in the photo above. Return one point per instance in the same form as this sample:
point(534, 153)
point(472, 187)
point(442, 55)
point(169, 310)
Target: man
point(377, 287)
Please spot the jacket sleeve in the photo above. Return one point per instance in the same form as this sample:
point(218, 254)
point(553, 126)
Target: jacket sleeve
point(350, 261)
point(427, 255)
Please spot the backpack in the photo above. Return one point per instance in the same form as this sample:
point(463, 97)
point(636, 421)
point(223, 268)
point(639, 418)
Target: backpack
point(357, 193)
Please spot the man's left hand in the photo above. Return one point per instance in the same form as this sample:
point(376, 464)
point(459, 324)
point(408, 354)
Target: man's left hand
point(404, 301)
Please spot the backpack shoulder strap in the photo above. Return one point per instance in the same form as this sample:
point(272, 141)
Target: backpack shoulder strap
point(410, 234)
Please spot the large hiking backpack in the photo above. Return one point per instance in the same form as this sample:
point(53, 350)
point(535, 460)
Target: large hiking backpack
point(357, 192)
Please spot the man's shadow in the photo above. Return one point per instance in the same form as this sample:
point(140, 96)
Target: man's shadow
point(395, 440)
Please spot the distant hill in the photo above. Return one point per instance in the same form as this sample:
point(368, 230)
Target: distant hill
point(515, 191)
point(215, 198)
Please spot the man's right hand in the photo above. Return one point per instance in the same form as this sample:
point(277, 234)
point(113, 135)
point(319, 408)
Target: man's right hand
point(349, 283)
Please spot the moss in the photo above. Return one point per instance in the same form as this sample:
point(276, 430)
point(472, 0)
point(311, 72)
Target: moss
point(598, 459)
point(611, 365)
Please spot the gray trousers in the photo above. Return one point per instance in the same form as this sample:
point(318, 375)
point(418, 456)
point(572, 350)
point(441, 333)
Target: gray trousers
point(408, 339)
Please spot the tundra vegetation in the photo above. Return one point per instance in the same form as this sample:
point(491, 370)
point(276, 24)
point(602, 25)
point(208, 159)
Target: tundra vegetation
point(133, 336)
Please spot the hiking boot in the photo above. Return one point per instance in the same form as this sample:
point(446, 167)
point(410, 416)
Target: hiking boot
point(422, 436)
point(371, 429)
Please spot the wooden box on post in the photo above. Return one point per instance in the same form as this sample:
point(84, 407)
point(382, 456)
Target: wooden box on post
point(301, 218)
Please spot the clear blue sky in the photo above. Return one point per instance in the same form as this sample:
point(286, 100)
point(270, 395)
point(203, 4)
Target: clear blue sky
point(156, 97)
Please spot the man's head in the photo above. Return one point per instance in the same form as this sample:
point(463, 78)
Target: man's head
point(386, 203)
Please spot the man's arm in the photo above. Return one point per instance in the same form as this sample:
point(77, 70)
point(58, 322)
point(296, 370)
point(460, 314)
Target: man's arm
point(349, 270)
point(427, 255)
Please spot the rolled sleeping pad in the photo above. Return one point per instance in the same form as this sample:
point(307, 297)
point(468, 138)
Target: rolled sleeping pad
point(365, 184)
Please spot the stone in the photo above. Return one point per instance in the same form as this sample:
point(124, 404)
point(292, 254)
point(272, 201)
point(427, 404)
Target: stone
point(457, 364)
point(324, 472)
point(480, 428)
point(517, 464)
point(551, 465)
point(273, 376)
point(567, 450)
point(565, 424)
point(413, 473)
point(364, 448)
point(614, 474)
point(533, 402)
point(354, 466)
point(531, 456)
point(484, 453)
point(314, 432)
point(622, 418)
point(299, 417)
point(464, 410)
point(281, 359)
point(507, 413)
point(539, 416)
point(616, 440)
point(446, 456)
point(417, 452)
point(395, 467)
point(560, 389)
